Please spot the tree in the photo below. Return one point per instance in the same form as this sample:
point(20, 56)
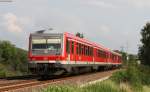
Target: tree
point(7, 51)
point(132, 57)
point(13, 57)
point(144, 49)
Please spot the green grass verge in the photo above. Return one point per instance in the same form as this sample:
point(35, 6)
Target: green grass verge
point(106, 86)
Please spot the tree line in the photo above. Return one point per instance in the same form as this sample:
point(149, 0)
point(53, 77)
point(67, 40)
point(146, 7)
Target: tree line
point(15, 59)
point(144, 49)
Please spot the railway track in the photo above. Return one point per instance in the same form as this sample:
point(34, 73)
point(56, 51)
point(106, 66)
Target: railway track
point(65, 79)
point(28, 83)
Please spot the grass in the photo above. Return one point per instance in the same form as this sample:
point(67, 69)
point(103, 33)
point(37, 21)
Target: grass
point(146, 89)
point(61, 89)
point(106, 86)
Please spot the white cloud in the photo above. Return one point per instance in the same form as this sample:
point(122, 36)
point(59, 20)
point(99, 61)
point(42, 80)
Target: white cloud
point(59, 21)
point(136, 3)
point(118, 3)
point(12, 23)
point(141, 3)
point(99, 3)
point(101, 32)
point(105, 29)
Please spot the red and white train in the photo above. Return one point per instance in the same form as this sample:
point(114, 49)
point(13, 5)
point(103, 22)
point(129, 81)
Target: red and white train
point(56, 53)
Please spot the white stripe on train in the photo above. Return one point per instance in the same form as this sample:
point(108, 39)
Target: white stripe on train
point(76, 62)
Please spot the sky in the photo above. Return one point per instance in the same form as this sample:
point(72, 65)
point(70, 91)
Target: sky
point(113, 23)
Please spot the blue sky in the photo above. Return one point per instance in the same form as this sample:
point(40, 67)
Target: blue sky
point(113, 23)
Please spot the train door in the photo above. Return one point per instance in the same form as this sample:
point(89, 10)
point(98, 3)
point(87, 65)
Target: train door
point(82, 52)
point(68, 49)
point(94, 55)
point(72, 54)
point(107, 57)
point(75, 51)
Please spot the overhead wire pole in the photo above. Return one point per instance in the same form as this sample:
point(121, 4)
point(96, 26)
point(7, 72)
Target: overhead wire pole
point(122, 48)
point(122, 51)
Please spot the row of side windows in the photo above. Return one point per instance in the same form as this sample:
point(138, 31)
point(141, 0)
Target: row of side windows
point(80, 48)
point(86, 50)
point(101, 53)
point(115, 57)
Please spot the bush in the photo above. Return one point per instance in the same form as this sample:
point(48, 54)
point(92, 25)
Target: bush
point(145, 74)
point(2, 73)
point(131, 75)
point(119, 76)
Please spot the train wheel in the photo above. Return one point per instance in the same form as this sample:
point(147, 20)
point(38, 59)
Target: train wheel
point(75, 70)
point(95, 68)
point(43, 77)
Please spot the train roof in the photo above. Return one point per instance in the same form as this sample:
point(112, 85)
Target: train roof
point(44, 34)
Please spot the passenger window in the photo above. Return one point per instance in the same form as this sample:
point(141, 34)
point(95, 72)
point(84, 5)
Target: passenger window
point(67, 47)
point(80, 49)
point(91, 51)
point(72, 49)
point(77, 49)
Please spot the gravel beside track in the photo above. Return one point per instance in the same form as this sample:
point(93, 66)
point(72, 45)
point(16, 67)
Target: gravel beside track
point(37, 86)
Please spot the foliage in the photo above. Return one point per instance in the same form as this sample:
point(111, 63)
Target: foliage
point(133, 77)
point(132, 57)
point(13, 58)
point(120, 76)
point(144, 49)
point(124, 56)
point(102, 87)
point(145, 74)
point(2, 73)
point(130, 75)
point(98, 87)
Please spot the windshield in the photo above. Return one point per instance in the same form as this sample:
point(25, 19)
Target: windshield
point(49, 46)
point(53, 44)
point(39, 44)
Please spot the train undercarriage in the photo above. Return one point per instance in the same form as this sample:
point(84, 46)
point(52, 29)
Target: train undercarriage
point(50, 69)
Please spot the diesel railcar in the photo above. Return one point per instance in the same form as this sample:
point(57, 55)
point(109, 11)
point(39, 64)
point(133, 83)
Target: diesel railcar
point(57, 53)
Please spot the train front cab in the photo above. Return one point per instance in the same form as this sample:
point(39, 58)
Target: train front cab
point(46, 51)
